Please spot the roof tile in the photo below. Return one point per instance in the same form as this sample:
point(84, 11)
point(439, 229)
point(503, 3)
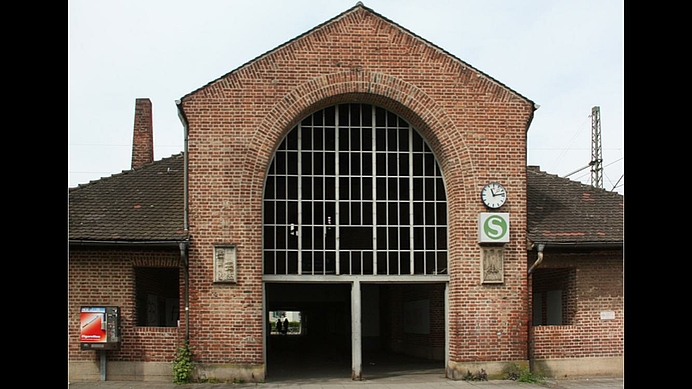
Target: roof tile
point(565, 211)
point(147, 204)
point(143, 204)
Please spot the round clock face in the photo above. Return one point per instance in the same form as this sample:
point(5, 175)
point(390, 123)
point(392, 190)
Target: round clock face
point(494, 195)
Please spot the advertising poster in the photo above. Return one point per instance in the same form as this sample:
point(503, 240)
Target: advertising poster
point(91, 325)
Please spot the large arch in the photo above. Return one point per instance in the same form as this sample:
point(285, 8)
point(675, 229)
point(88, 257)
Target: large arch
point(387, 91)
point(354, 189)
point(439, 130)
point(393, 94)
point(355, 196)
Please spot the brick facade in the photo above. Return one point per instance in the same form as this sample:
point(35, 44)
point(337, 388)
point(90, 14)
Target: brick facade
point(106, 277)
point(475, 126)
point(597, 286)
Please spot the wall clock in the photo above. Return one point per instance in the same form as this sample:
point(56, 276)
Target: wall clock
point(493, 195)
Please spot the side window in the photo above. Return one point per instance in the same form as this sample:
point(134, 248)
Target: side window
point(553, 297)
point(157, 297)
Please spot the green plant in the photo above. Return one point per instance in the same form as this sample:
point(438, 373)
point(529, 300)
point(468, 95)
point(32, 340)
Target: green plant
point(182, 365)
point(527, 376)
point(524, 375)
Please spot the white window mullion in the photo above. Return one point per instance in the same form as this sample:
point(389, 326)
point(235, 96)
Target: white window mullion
point(374, 190)
point(336, 190)
point(300, 206)
point(410, 198)
point(393, 128)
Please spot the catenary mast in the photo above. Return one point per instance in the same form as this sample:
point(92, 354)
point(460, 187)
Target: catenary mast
point(596, 151)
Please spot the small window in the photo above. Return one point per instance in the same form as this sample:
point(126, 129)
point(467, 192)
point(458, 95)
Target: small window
point(157, 298)
point(553, 297)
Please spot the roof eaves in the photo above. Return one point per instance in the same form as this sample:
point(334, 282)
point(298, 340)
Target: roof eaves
point(579, 245)
point(128, 243)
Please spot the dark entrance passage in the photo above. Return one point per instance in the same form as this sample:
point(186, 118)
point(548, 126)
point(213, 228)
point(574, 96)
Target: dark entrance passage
point(402, 330)
point(320, 344)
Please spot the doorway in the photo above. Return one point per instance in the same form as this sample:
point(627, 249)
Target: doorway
point(402, 330)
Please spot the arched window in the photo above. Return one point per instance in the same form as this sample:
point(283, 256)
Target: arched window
point(353, 189)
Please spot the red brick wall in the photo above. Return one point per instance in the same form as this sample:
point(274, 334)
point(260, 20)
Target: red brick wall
point(476, 127)
point(106, 277)
point(598, 287)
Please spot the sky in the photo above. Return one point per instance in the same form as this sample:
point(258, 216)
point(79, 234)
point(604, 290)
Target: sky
point(567, 56)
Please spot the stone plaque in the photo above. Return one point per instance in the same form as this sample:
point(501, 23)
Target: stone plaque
point(225, 264)
point(492, 270)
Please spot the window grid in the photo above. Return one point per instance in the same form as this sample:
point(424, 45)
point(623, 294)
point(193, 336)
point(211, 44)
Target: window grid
point(353, 189)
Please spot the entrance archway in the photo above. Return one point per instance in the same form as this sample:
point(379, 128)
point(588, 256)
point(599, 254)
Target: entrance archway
point(355, 201)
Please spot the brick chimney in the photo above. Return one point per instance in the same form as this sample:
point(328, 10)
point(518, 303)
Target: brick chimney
point(143, 139)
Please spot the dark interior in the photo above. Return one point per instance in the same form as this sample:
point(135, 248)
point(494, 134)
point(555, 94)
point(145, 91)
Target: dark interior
point(322, 349)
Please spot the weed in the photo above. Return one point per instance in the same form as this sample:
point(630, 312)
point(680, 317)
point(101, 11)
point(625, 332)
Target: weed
point(182, 365)
point(524, 375)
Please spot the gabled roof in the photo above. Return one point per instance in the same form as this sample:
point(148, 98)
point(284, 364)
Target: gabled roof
point(561, 211)
point(144, 205)
point(147, 205)
point(358, 7)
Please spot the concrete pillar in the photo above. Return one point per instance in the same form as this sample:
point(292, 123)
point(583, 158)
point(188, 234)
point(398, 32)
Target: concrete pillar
point(356, 351)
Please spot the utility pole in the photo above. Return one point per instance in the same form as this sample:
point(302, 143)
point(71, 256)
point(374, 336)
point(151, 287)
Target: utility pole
point(596, 151)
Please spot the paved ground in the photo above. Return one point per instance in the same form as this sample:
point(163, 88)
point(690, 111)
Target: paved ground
point(400, 382)
point(386, 371)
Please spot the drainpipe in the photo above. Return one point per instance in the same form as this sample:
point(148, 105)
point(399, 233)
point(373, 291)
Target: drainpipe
point(183, 256)
point(529, 339)
point(183, 119)
point(183, 246)
point(541, 246)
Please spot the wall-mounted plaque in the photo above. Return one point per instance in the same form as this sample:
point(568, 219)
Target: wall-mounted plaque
point(492, 270)
point(225, 264)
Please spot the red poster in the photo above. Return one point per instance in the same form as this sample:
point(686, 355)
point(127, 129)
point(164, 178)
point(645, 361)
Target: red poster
point(91, 328)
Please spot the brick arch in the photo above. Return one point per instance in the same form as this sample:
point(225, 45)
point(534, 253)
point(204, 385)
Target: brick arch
point(381, 89)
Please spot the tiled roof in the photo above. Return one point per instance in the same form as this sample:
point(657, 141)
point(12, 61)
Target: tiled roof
point(562, 211)
point(145, 204)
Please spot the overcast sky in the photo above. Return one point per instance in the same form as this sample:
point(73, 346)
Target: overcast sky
point(565, 55)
